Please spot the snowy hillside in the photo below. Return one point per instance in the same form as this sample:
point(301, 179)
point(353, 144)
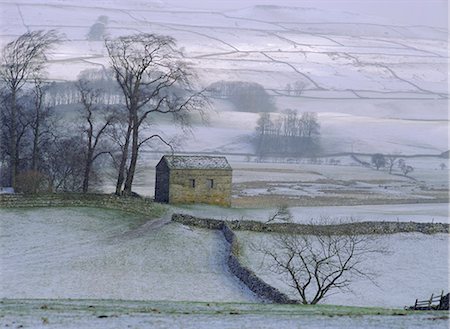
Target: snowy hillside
point(354, 67)
point(96, 254)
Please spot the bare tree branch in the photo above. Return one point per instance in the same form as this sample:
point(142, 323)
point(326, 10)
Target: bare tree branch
point(316, 265)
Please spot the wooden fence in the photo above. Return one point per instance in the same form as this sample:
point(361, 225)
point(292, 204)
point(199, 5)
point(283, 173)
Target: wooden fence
point(433, 303)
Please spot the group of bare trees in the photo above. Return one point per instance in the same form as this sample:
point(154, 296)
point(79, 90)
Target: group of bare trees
point(23, 116)
point(390, 161)
point(290, 134)
point(109, 118)
point(153, 79)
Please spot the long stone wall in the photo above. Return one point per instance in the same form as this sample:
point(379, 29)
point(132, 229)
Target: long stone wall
point(354, 228)
point(141, 206)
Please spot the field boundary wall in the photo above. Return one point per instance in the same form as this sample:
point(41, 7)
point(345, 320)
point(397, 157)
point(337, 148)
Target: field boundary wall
point(135, 205)
point(363, 228)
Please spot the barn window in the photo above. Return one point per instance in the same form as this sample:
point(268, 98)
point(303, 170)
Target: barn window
point(192, 183)
point(210, 183)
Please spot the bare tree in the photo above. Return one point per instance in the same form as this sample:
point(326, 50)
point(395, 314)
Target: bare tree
point(288, 88)
point(282, 213)
point(65, 164)
point(97, 119)
point(404, 167)
point(378, 160)
point(42, 124)
point(38, 125)
point(153, 79)
point(22, 60)
point(310, 124)
point(391, 160)
point(298, 87)
point(20, 126)
point(315, 265)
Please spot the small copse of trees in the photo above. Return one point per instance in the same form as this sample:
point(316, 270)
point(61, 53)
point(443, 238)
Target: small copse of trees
point(289, 134)
point(245, 96)
point(379, 160)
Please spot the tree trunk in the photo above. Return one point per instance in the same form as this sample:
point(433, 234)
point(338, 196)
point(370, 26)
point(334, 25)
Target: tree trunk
point(34, 157)
point(133, 160)
point(87, 169)
point(13, 145)
point(123, 161)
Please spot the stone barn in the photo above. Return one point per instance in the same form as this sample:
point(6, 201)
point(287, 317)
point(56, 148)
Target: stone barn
point(193, 179)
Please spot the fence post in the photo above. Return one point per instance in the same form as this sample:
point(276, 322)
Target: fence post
point(430, 301)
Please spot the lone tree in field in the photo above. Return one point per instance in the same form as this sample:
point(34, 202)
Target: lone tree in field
point(22, 62)
point(378, 160)
point(315, 265)
point(153, 79)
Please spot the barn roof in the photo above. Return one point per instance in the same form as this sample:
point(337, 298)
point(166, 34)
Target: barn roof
point(196, 162)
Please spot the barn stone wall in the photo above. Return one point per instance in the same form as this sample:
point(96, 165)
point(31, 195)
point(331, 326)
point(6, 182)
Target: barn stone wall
point(162, 183)
point(182, 191)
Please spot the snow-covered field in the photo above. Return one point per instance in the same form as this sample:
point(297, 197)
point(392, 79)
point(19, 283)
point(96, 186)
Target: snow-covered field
point(86, 253)
point(417, 266)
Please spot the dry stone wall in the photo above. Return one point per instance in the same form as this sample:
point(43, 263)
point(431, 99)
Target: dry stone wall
point(141, 206)
point(247, 276)
point(354, 228)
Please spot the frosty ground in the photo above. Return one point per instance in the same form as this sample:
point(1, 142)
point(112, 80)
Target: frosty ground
point(88, 253)
point(57, 262)
point(152, 314)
